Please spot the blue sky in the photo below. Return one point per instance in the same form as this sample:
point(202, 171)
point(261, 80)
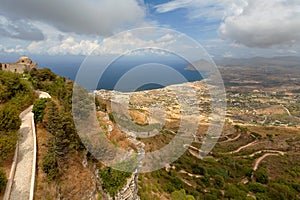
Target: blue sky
point(225, 28)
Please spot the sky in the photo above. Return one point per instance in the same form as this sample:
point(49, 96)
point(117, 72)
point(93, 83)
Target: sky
point(224, 28)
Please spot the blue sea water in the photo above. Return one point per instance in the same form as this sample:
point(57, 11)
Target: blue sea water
point(139, 74)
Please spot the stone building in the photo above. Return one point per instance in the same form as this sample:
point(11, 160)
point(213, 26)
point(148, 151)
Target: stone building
point(23, 64)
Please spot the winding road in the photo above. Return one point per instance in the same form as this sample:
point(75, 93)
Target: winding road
point(258, 161)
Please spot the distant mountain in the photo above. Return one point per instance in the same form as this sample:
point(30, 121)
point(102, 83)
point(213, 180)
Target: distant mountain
point(286, 61)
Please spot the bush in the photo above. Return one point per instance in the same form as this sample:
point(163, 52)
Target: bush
point(50, 166)
point(3, 180)
point(9, 118)
point(261, 176)
point(38, 110)
point(219, 181)
point(113, 180)
point(8, 141)
point(281, 192)
point(233, 192)
point(111, 117)
point(257, 188)
point(10, 85)
point(199, 170)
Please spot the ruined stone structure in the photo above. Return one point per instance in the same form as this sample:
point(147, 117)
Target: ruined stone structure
point(23, 64)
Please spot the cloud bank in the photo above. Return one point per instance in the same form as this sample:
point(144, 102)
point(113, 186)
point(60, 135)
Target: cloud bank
point(264, 23)
point(90, 17)
point(253, 23)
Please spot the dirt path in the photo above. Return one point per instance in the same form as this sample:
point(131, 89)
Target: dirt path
point(189, 174)
point(264, 151)
point(243, 147)
point(232, 139)
point(258, 161)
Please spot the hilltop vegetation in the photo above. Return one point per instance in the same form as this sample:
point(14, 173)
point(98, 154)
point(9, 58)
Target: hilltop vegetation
point(16, 94)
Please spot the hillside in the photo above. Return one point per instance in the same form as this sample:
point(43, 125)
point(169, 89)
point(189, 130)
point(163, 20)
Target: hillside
point(256, 155)
point(16, 94)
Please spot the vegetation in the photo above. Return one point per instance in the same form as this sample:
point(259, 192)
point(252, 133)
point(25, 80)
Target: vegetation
point(16, 94)
point(50, 166)
point(56, 116)
point(113, 180)
point(3, 180)
point(39, 109)
point(9, 118)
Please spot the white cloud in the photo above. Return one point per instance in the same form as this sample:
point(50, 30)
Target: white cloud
point(81, 17)
point(264, 23)
point(17, 49)
point(253, 23)
point(210, 10)
point(63, 44)
point(66, 46)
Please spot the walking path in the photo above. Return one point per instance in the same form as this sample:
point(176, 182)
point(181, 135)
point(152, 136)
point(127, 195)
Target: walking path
point(243, 147)
point(258, 161)
point(231, 139)
point(22, 179)
point(22, 176)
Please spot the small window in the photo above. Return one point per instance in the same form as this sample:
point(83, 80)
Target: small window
point(15, 70)
point(5, 66)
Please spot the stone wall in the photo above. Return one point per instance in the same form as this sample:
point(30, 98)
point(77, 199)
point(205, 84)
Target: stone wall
point(23, 64)
point(129, 192)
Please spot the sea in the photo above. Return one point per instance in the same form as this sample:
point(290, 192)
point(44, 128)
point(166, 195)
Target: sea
point(125, 75)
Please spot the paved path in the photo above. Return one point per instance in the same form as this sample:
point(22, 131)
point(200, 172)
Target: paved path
point(22, 179)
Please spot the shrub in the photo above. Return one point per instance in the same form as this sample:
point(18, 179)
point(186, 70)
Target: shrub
point(3, 180)
point(9, 118)
point(50, 166)
point(8, 141)
point(38, 110)
point(261, 176)
point(233, 192)
point(219, 181)
point(178, 195)
point(113, 180)
point(111, 117)
point(257, 188)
